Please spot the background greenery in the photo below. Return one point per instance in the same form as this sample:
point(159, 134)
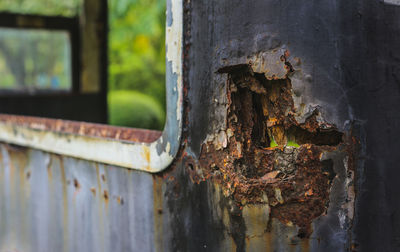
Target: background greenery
point(67, 8)
point(26, 63)
point(136, 56)
point(137, 62)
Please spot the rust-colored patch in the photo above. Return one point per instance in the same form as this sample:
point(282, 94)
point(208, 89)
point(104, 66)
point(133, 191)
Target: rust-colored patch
point(120, 200)
point(255, 162)
point(105, 195)
point(93, 190)
point(83, 128)
point(76, 184)
point(146, 156)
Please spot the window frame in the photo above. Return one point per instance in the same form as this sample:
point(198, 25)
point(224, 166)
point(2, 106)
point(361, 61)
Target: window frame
point(150, 157)
point(47, 23)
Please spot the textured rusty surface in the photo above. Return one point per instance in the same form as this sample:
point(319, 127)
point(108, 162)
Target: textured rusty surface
point(82, 128)
point(253, 159)
point(349, 55)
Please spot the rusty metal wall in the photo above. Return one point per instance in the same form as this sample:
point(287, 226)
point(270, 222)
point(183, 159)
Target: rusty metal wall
point(54, 203)
point(343, 60)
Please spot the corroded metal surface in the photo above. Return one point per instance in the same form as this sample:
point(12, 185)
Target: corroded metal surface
point(337, 66)
point(54, 203)
point(82, 128)
point(265, 157)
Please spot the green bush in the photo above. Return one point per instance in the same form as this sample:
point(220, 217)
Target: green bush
point(133, 109)
point(137, 47)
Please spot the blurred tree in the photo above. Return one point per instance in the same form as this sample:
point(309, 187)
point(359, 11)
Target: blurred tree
point(25, 58)
point(136, 54)
point(66, 8)
point(25, 55)
point(137, 46)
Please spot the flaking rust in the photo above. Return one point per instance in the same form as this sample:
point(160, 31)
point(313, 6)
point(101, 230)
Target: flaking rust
point(265, 156)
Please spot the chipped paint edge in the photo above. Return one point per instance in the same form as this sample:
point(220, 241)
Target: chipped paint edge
point(149, 157)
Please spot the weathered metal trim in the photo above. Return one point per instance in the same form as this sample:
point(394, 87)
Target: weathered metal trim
point(392, 2)
point(150, 157)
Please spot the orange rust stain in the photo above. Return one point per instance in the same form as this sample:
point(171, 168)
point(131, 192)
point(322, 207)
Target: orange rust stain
point(157, 212)
point(93, 190)
point(99, 198)
point(268, 240)
point(105, 196)
point(120, 200)
point(77, 187)
point(290, 179)
point(146, 156)
point(305, 245)
point(65, 202)
point(83, 128)
point(98, 177)
point(309, 192)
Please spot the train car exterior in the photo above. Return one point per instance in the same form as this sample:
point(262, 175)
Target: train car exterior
point(281, 135)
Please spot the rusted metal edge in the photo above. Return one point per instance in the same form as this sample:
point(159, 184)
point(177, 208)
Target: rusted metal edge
point(82, 128)
point(144, 150)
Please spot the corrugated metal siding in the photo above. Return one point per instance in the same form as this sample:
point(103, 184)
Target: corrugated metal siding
point(54, 203)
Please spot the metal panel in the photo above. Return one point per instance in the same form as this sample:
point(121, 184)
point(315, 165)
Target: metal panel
point(54, 203)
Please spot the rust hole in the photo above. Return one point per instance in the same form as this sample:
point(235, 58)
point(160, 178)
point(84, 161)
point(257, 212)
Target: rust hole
point(268, 157)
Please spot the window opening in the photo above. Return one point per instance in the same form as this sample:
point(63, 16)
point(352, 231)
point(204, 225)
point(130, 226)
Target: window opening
point(136, 88)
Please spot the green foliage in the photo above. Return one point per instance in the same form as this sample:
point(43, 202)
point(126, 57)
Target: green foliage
point(289, 143)
point(293, 144)
point(67, 8)
point(273, 143)
point(27, 62)
point(137, 46)
point(133, 109)
point(136, 56)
